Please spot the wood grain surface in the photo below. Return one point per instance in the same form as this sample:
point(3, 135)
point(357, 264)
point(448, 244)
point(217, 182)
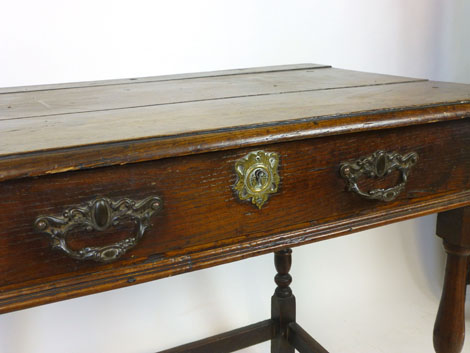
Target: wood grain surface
point(202, 215)
point(178, 137)
point(78, 129)
point(231, 72)
point(154, 93)
point(70, 121)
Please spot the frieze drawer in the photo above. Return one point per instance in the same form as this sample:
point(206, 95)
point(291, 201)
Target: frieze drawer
point(197, 206)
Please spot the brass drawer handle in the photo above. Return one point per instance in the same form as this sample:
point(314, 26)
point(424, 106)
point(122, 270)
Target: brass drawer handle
point(99, 214)
point(378, 165)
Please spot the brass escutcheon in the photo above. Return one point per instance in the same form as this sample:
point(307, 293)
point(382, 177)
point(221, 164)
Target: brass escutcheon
point(257, 176)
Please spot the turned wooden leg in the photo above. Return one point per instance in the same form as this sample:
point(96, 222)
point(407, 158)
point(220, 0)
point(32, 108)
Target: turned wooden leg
point(449, 329)
point(282, 302)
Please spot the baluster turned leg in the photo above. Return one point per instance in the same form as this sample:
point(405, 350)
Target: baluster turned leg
point(282, 302)
point(449, 329)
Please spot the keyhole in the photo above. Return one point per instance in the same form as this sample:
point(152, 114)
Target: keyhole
point(258, 179)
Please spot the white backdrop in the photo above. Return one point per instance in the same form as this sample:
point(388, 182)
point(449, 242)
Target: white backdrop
point(375, 291)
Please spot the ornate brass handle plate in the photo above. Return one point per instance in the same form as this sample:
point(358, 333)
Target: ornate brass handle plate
point(98, 215)
point(378, 165)
point(257, 176)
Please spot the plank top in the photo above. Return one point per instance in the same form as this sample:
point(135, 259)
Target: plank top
point(39, 122)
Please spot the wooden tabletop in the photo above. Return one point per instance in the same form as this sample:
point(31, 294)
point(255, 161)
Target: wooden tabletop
point(54, 128)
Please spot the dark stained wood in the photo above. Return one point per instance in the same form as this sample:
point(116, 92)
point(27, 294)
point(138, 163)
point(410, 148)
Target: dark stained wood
point(31, 135)
point(449, 330)
point(193, 187)
point(468, 272)
point(55, 161)
point(282, 302)
point(454, 226)
point(281, 329)
point(230, 341)
point(178, 138)
point(80, 129)
point(155, 268)
point(302, 341)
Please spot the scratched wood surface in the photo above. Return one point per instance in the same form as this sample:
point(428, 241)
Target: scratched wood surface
point(202, 213)
point(63, 118)
point(178, 137)
point(77, 129)
point(261, 69)
point(154, 93)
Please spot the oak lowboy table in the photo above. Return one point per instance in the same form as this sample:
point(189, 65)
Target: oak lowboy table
point(113, 183)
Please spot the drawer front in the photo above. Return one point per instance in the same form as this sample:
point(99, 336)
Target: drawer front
point(201, 208)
